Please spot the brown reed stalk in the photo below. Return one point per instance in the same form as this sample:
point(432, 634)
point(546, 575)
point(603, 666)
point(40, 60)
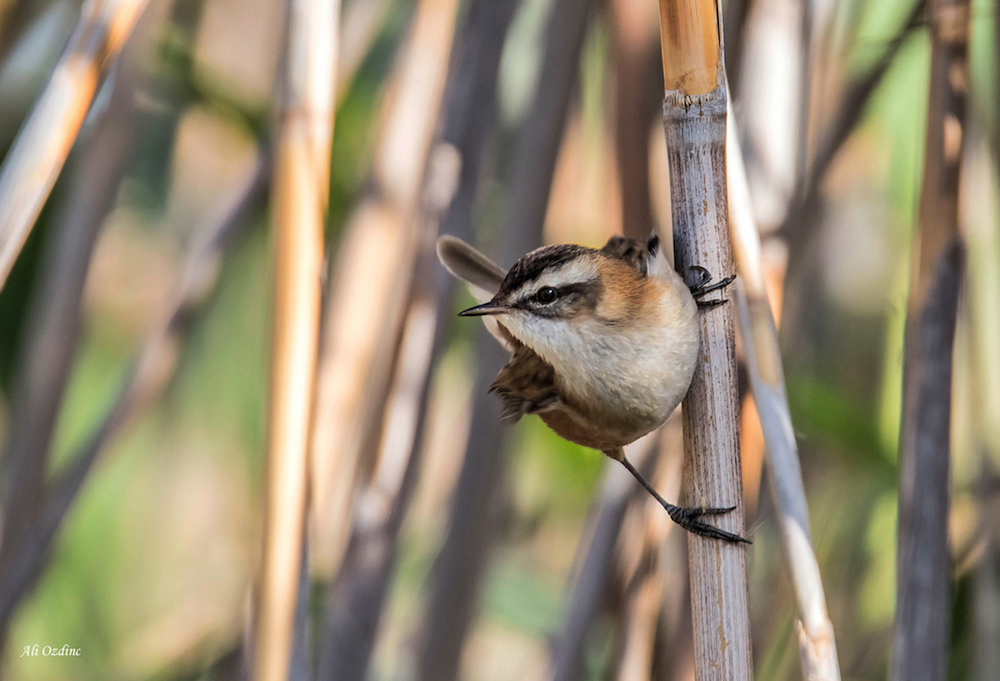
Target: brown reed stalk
point(817, 644)
point(637, 103)
point(299, 203)
point(40, 149)
point(694, 120)
point(924, 559)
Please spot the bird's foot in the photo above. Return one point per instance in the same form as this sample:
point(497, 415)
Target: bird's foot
point(688, 518)
point(702, 285)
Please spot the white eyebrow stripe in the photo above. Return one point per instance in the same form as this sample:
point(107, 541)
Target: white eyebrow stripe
point(575, 271)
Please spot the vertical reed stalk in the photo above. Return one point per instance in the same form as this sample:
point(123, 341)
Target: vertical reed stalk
point(300, 188)
point(40, 149)
point(923, 564)
point(817, 646)
point(694, 120)
point(634, 41)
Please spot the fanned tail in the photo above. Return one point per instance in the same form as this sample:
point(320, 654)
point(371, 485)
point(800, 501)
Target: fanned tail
point(515, 406)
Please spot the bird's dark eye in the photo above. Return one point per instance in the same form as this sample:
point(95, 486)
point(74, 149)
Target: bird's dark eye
point(546, 295)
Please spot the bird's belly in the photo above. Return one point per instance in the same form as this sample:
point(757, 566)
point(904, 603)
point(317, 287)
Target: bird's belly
point(619, 379)
point(570, 426)
point(612, 415)
point(602, 429)
point(615, 398)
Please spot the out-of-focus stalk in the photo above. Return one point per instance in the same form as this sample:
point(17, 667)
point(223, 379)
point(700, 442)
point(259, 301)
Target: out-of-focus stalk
point(637, 101)
point(35, 505)
point(619, 489)
point(981, 211)
point(361, 24)
point(806, 197)
point(817, 645)
point(369, 287)
point(924, 562)
point(40, 149)
point(299, 202)
point(651, 595)
point(461, 563)
point(647, 588)
point(694, 120)
point(356, 599)
point(54, 323)
point(150, 370)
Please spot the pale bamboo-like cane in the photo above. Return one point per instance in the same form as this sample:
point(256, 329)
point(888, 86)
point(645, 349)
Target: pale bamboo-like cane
point(40, 149)
point(299, 204)
point(817, 645)
point(694, 121)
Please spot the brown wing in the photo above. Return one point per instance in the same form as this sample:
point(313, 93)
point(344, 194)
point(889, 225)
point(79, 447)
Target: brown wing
point(631, 251)
point(527, 385)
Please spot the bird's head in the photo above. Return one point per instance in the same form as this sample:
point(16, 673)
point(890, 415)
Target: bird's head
point(555, 290)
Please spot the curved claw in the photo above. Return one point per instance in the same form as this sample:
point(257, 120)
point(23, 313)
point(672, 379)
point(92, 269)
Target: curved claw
point(713, 510)
point(702, 276)
point(688, 519)
point(705, 304)
point(703, 287)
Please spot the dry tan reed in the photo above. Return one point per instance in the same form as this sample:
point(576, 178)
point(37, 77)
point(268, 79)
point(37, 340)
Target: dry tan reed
point(40, 149)
point(694, 120)
point(299, 202)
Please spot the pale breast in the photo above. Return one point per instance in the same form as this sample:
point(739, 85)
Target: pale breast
point(628, 378)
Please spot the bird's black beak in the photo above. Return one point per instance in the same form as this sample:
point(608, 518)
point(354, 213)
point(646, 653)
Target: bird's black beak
point(490, 307)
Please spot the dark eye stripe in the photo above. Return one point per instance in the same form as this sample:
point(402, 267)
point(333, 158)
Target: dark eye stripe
point(565, 294)
point(580, 287)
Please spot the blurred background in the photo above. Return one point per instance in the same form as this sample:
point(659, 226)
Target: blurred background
point(134, 330)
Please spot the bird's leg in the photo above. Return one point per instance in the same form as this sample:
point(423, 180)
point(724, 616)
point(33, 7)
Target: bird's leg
point(701, 286)
point(685, 517)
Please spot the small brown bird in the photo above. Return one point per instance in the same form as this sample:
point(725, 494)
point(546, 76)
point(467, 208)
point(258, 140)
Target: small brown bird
point(604, 342)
